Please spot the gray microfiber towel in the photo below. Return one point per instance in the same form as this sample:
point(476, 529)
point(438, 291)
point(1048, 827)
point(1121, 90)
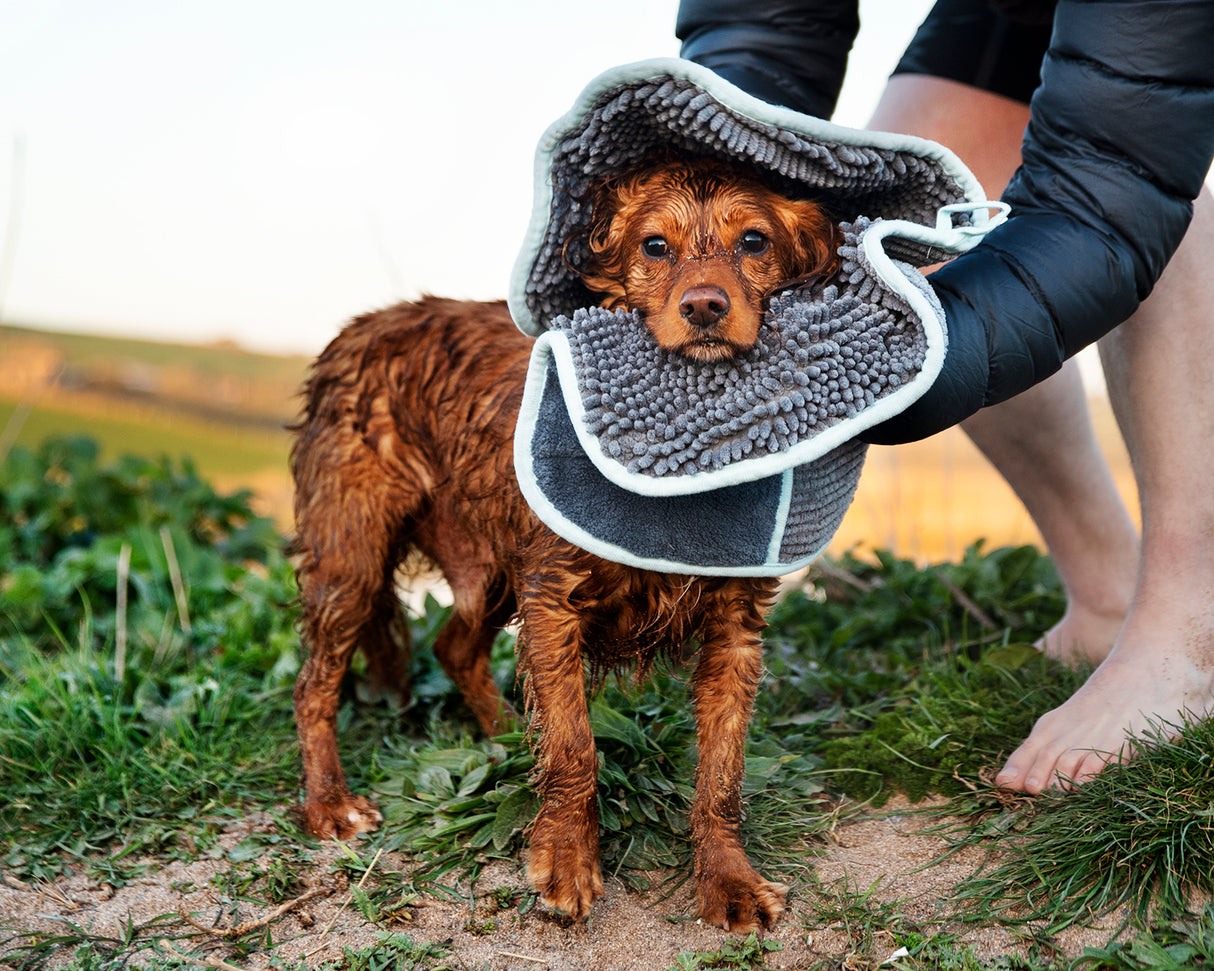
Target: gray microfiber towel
point(742, 467)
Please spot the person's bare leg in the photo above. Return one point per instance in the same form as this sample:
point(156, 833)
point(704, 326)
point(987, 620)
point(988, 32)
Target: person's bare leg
point(1041, 441)
point(1046, 449)
point(1162, 665)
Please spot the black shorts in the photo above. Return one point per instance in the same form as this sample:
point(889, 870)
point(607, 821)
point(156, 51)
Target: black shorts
point(971, 42)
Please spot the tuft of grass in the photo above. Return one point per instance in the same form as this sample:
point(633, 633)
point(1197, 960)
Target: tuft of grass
point(150, 765)
point(136, 721)
point(265, 870)
point(1139, 836)
point(940, 953)
point(392, 951)
point(947, 724)
point(91, 951)
point(914, 680)
point(400, 952)
point(749, 953)
point(458, 804)
point(1182, 945)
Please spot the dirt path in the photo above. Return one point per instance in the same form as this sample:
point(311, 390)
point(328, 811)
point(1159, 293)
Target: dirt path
point(626, 930)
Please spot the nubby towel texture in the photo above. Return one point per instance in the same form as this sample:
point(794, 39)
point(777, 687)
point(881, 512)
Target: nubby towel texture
point(746, 466)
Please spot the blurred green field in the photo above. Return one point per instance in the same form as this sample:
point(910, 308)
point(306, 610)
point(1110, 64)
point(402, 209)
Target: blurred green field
point(219, 451)
point(101, 352)
point(223, 407)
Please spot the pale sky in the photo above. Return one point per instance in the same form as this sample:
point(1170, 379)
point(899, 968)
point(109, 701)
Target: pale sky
point(262, 170)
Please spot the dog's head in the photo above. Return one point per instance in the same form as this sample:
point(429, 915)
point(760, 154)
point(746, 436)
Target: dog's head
point(697, 247)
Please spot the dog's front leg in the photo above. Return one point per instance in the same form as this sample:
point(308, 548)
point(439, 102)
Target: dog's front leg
point(564, 861)
point(729, 892)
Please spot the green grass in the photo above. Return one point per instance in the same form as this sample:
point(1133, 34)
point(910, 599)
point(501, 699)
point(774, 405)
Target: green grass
point(904, 688)
point(141, 746)
point(748, 953)
point(1138, 838)
point(136, 735)
point(1186, 943)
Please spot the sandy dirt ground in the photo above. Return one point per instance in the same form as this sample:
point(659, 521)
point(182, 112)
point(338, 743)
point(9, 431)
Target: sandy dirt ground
point(626, 931)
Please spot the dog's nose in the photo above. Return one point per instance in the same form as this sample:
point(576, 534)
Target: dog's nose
point(704, 306)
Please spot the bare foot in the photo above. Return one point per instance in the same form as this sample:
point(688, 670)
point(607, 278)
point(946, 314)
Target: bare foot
point(1160, 669)
point(1099, 594)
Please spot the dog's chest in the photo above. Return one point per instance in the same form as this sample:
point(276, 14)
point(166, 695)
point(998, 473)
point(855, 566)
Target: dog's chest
point(634, 623)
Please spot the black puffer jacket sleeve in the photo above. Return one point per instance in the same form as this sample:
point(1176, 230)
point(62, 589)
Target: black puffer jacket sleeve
point(786, 52)
point(1121, 138)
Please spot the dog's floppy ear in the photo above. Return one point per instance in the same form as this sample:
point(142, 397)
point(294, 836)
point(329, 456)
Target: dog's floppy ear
point(598, 256)
point(816, 241)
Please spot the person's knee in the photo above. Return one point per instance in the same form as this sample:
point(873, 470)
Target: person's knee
point(983, 129)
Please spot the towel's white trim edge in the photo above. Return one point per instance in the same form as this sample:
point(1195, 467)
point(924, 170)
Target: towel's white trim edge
point(777, 531)
point(578, 536)
point(730, 96)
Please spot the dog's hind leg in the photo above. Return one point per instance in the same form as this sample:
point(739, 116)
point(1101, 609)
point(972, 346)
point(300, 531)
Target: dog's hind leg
point(346, 516)
point(386, 643)
point(482, 605)
point(463, 647)
point(729, 892)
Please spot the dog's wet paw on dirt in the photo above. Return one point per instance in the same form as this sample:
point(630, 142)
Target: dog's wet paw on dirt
point(565, 873)
point(342, 819)
point(736, 898)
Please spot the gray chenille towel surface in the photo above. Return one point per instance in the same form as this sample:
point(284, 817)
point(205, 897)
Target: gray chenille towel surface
point(741, 467)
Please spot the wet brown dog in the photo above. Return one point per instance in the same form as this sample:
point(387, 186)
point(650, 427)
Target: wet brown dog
point(405, 446)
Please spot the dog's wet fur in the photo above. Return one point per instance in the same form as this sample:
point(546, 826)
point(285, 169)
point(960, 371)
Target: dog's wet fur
point(405, 449)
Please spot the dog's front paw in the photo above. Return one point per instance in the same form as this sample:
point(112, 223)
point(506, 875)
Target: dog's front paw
point(341, 818)
point(564, 870)
point(735, 897)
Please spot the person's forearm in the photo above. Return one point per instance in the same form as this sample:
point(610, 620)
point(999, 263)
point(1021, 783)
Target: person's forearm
point(1120, 141)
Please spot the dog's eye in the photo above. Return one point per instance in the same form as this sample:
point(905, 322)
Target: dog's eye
point(754, 242)
point(655, 247)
